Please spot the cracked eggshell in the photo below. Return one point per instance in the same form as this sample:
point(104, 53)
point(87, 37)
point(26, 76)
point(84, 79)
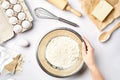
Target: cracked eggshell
point(21, 16)
point(13, 1)
point(17, 28)
point(26, 24)
point(17, 7)
point(9, 12)
point(5, 5)
point(13, 20)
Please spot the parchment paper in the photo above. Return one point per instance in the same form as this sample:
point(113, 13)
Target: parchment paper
point(89, 5)
point(6, 30)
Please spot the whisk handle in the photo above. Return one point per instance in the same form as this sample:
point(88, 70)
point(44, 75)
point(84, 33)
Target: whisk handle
point(68, 22)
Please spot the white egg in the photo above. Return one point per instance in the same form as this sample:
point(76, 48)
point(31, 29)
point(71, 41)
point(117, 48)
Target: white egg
point(17, 28)
point(13, 20)
point(26, 24)
point(10, 79)
point(17, 8)
point(5, 4)
point(21, 16)
point(13, 1)
point(9, 12)
point(22, 43)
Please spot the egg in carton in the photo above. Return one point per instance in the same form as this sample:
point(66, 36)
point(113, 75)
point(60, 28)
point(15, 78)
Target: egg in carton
point(17, 14)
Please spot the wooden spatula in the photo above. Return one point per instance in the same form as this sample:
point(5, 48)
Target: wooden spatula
point(64, 5)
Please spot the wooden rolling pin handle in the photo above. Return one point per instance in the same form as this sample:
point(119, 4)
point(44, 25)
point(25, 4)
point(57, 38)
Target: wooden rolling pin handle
point(77, 13)
point(115, 27)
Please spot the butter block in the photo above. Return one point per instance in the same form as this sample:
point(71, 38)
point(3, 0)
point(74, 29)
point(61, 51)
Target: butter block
point(102, 10)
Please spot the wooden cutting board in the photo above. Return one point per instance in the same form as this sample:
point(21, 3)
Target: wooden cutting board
point(89, 5)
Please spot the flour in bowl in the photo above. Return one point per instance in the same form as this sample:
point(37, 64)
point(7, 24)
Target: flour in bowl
point(62, 52)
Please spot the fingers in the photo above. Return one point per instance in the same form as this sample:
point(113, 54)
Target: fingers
point(83, 49)
point(83, 46)
point(87, 43)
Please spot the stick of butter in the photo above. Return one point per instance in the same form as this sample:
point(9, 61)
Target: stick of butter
point(102, 10)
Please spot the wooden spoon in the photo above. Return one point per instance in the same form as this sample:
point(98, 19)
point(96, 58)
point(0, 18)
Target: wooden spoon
point(106, 35)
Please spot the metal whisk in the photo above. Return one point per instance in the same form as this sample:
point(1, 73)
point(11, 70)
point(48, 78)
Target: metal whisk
point(44, 14)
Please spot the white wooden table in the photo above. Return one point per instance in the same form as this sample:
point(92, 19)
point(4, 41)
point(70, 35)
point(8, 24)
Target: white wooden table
point(107, 55)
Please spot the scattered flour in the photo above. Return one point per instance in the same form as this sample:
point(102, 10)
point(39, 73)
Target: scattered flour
point(62, 52)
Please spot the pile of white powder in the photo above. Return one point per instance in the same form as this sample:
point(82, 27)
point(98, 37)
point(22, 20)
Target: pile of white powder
point(62, 52)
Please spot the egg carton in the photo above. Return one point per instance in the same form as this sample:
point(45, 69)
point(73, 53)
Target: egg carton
point(17, 15)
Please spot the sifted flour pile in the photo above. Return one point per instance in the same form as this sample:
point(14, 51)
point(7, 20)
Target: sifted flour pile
point(62, 52)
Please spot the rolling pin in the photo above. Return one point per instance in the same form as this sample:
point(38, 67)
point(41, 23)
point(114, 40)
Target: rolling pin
point(64, 5)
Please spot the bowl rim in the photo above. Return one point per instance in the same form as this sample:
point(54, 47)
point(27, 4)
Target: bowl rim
point(38, 61)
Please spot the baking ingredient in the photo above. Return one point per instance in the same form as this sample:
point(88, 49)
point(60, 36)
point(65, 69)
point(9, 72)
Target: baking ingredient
point(10, 60)
point(17, 7)
point(22, 43)
point(10, 79)
point(19, 65)
point(5, 5)
point(21, 16)
point(102, 10)
point(26, 24)
point(62, 52)
point(9, 12)
point(13, 20)
point(17, 28)
point(12, 13)
point(13, 1)
point(89, 5)
point(11, 67)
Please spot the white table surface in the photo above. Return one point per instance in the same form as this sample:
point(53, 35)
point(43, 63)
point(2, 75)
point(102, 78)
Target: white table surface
point(107, 54)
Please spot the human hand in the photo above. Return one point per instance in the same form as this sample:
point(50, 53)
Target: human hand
point(88, 53)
